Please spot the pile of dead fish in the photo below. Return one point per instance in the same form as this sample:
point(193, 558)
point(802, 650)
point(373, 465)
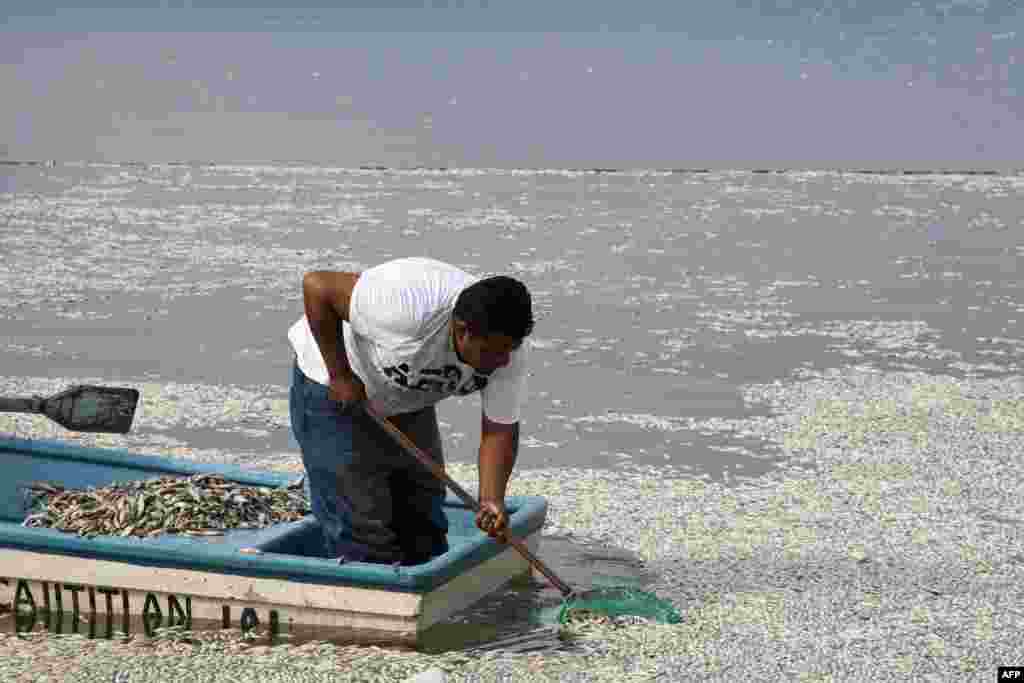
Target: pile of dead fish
point(200, 505)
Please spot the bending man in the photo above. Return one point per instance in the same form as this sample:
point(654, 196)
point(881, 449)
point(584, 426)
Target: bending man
point(403, 335)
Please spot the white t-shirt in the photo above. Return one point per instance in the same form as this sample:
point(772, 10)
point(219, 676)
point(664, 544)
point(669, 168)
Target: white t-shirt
point(398, 341)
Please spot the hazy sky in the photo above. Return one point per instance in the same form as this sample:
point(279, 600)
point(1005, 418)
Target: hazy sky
point(548, 83)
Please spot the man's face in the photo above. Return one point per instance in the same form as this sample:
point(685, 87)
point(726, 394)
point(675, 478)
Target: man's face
point(484, 353)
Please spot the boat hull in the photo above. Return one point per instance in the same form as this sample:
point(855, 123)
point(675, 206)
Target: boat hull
point(273, 580)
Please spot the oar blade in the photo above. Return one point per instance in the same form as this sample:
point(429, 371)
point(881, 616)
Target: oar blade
point(87, 408)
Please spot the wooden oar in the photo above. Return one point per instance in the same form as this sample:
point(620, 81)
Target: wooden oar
point(82, 408)
point(413, 450)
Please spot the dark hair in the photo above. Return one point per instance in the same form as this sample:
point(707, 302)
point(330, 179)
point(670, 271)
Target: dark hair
point(496, 305)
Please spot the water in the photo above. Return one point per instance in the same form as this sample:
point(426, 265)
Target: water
point(658, 295)
point(528, 607)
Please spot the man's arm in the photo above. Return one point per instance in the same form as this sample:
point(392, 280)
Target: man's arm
point(499, 446)
point(327, 295)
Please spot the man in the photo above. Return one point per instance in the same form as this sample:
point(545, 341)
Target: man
point(403, 335)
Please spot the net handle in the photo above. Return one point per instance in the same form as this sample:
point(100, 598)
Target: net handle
point(414, 450)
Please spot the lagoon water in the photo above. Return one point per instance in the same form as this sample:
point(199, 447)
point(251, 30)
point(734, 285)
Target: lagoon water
point(659, 295)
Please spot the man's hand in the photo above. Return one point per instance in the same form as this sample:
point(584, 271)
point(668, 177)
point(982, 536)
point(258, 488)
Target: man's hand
point(492, 519)
point(348, 390)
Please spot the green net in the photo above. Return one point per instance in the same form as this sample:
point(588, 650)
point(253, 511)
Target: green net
point(618, 602)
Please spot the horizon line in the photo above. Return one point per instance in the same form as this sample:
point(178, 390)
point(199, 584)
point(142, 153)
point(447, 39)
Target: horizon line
point(757, 169)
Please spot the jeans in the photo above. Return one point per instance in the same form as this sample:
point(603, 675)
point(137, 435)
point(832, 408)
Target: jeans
point(374, 501)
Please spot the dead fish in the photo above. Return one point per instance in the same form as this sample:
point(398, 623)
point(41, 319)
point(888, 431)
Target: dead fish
point(47, 487)
point(38, 519)
point(199, 505)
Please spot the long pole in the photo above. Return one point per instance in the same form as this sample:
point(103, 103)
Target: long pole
point(19, 405)
point(425, 460)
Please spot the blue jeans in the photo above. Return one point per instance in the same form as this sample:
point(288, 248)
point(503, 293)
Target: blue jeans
point(374, 501)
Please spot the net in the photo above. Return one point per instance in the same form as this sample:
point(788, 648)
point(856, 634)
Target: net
point(618, 602)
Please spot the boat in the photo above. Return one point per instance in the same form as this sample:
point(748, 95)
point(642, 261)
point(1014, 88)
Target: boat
point(274, 580)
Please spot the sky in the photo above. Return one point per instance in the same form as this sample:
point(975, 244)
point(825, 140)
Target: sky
point(518, 83)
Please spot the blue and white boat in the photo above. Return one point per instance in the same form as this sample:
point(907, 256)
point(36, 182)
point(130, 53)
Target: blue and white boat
point(273, 577)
